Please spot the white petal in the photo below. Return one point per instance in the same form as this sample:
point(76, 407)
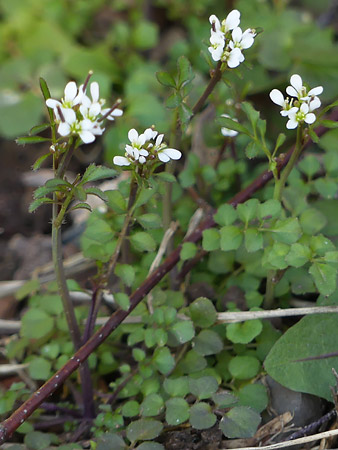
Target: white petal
point(304, 108)
point(216, 53)
point(70, 91)
point(277, 97)
point(69, 115)
point(316, 91)
point(235, 58)
point(226, 132)
point(232, 20)
point(136, 153)
point(237, 34)
point(130, 150)
point(159, 139)
point(214, 20)
point(87, 124)
point(86, 101)
point(116, 112)
point(132, 135)
point(291, 124)
point(121, 161)
point(87, 137)
point(172, 153)
point(248, 39)
point(51, 103)
point(297, 82)
point(284, 113)
point(291, 91)
point(64, 129)
point(144, 153)
point(163, 157)
point(310, 118)
point(314, 104)
point(95, 91)
point(142, 160)
point(95, 109)
point(149, 133)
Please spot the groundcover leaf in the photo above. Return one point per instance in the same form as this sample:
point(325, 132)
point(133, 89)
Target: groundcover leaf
point(240, 422)
point(203, 387)
point(177, 411)
point(143, 430)
point(36, 324)
point(286, 231)
point(208, 342)
point(201, 416)
point(203, 312)
point(36, 440)
point(313, 335)
point(149, 446)
point(245, 332)
point(324, 277)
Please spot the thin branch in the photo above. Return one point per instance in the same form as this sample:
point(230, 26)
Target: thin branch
point(216, 77)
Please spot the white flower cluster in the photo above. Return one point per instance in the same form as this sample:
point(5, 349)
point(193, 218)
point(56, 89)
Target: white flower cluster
point(228, 40)
point(299, 108)
point(79, 115)
point(146, 147)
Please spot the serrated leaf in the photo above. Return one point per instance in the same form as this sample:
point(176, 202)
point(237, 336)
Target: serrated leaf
point(287, 231)
point(166, 79)
point(201, 416)
point(145, 195)
point(97, 192)
point(166, 176)
point(126, 272)
point(298, 255)
point(79, 193)
point(39, 128)
point(240, 422)
point(312, 336)
point(116, 201)
point(211, 239)
point(94, 173)
point(231, 238)
point(226, 215)
point(185, 73)
point(253, 240)
point(177, 411)
point(143, 242)
point(150, 220)
point(38, 202)
point(39, 161)
point(324, 276)
point(233, 125)
point(271, 208)
point(143, 430)
point(81, 205)
point(31, 140)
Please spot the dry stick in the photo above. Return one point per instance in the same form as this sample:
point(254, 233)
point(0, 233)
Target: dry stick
point(8, 427)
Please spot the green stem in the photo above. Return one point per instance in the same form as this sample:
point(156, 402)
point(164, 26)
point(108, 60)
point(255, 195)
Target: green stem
point(278, 192)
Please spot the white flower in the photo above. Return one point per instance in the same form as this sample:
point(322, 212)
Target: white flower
point(217, 42)
point(84, 128)
point(215, 23)
point(242, 40)
point(164, 153)
point(73, 96)
point(226, 132)
point(234, 58)
point(300, 115)
point(278, 98)
point(132, 155)
point(232, 21)
point(136, 140)
point(116, 112)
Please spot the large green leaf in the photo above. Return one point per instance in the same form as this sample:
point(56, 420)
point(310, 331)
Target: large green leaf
point(314, 335)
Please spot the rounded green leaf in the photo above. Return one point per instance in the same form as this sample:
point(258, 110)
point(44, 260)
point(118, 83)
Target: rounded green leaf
point(240, 422)
point(188, 251)
point(149, 446)
point(224, 399)
point(210, 240)
point(152, 405)
point(244, 332)
point(286, 231)
point(325, 277)
point(130, 409)
point(143, 430)
point(231, 238)
point(143, 242)
point(126, 272)
point(203, 312)
point(248, 210)
point(35, 440)
point(122, 300)
point(182, 331)
point(254, 395)
point(192, 362)
point(150, 220)
point(36, 324)
point(298, 255)
point(176, 387)
point(312, 221)
point(201, 416)
point(244, 367)
point(208, 342)
point(177, 411)
point(269, 209)
point(309, 165)
point(226, 215)
point(253, 240)
point(163, 360)
point(39, 369)
point(203, 387)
